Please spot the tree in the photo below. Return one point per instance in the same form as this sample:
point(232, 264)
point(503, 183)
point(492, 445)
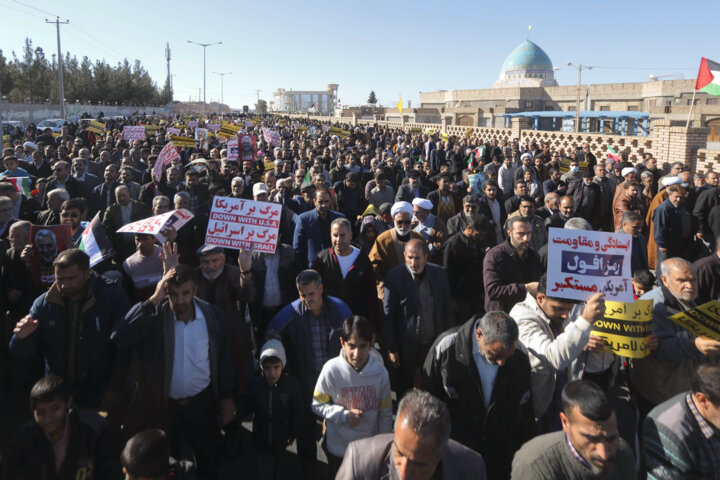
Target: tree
point(372, 99)
point(261, 106)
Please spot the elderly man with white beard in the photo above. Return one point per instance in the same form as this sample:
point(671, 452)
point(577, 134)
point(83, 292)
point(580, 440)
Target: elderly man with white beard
point(668, 370)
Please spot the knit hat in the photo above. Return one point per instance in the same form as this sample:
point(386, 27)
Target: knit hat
point(273, 348)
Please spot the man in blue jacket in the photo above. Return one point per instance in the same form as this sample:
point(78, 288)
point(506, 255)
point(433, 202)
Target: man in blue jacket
point(673, 226)
point(312, 230)
point(310, 332)
point(70, 326)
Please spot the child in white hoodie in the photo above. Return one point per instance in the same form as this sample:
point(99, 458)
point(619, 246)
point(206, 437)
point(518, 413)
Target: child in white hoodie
point(352, 393)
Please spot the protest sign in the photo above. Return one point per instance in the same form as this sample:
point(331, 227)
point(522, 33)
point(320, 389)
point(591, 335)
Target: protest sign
point(201, 135)
point(213, 127)
point(312, 131)
point(468, 133)
point(626, 328)
point(228, 130)
point(703, 321)
point(582, 263)
point(477, 182)
point(96, 127)
point(339, 132)
point(95, 242)
point(179, 141)
point(325, 128)
point(249, 124)
point(156, 225)
point(192, 123)
point(247, 148)
point(134, 133)
point(173, 131)
point(47, 241)
point(167, 155)
point(271, 137)
point(151, 129)
point(238, 223)
point(232, 150)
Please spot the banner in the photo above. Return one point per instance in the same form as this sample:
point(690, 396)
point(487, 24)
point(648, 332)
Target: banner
point(238, 223)
point(96, 127)
point(134, 133)
point(156, 225)
point(271, 137)
point(582, 263)
point(703, 321)
point(167, 155)
point(626, 328)
point(151, 129)
point(339, 132)
point(47, 241)
point(178, 141)
point(228, 130)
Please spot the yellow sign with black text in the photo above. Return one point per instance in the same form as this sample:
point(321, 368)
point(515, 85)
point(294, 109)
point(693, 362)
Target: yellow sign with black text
point(179, 141)
point(703, 321)
point(626, 328)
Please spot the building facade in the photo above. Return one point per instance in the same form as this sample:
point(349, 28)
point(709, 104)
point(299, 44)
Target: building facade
point(305, 101)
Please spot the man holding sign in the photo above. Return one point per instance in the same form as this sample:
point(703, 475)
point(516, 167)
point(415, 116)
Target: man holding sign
point(668, 370)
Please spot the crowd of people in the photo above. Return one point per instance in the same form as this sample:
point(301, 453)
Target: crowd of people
point(403, 325)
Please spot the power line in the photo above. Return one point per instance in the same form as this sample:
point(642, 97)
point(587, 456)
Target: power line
point(35, 8)
point(649, 68)
point(20, 11)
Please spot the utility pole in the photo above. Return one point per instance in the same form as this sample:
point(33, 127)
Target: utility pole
point(57, 23)
point(579, 68)
point(222, 94)
point(169, 78)
point(204, 45)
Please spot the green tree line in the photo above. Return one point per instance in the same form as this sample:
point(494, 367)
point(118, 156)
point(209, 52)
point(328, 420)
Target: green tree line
point(35, 77)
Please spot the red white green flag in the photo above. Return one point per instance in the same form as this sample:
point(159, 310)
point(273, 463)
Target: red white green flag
point(708, 78)
point(612, 153)
point(22, 184)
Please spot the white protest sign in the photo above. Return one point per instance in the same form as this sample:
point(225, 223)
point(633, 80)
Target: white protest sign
point(248, 124)
point(167, 155)
point(173, 131)
point(582, 263)
point(233, 150)
point(213, 127)
point(155, 225)
point(192, 124)
point(134, 133)
point(238, 223)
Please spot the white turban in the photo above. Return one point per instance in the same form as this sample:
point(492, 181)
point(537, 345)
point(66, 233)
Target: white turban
point(423, 203)
point(667, 181)
point(627, 170)
point(400, 207)
point(525, 155)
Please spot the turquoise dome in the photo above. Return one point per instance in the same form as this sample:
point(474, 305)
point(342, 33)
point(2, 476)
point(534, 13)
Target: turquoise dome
point(527, 61)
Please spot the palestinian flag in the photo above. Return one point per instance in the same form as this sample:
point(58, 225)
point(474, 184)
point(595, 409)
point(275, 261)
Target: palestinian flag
point(612, 153)
point(708, 78)
point(95, 242)
point(22, 185)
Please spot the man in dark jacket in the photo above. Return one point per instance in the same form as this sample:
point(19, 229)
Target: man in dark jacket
point(70, 327)
point(312, 230)
point(347, 273)
point(586, 197)
point(418, 307)
point(511, 269)
point(463, 256)
point(85, 450)
point(188, 371)
point(484, 379)
point(310, 332)
point(445, 203)
point(707, 270)
point(458, 222)
point(412, 189)
point(673, 229)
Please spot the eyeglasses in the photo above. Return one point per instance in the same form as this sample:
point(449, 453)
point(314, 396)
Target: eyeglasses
point(402, 222)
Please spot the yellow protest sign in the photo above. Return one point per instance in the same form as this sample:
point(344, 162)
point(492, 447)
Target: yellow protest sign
point(415, 130)
point(302, 129)
point(228, 130)
point(282, 122)
point(56, 134)
point(257, 120)
point(626, 328)
point(6, 139)
point(151, 129)
point(703, 321)
point(339, 132)
point(468, 133)
point(430, 130)
point(181, 125)
point(179, 141)
point(96, 127)
point(445, 136)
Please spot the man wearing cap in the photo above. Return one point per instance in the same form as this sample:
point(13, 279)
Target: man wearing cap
point(586, 197)
point(229, 287)
point(312, 230)
point(389, 247)
point(614, 173)
point(305, 202)
point(432, 228)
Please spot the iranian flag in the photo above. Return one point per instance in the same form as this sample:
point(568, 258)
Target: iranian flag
point(21, 184)
point(708, 78)
point(612, 153)
point(95, 242)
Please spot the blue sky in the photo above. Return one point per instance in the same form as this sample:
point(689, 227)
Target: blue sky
point(390, 46)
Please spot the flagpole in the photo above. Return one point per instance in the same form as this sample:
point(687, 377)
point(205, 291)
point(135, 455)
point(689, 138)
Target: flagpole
point(692, 105)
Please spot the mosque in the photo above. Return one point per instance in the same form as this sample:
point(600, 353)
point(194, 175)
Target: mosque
point(527, 87)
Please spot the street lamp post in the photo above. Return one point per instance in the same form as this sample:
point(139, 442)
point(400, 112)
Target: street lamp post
point(204, 45)
point(222, 95)
point(579, 68)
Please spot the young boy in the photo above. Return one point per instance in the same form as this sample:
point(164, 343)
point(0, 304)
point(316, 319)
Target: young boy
point(61, 442)
point(352, 393)
point(274, 397)
point(643, 281)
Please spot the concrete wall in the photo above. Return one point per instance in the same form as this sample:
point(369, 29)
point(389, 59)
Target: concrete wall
point(28, 112)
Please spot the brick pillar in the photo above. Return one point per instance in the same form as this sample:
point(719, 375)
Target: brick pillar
point(354, 121)
point(677, 144)
point(517, 125)
point(444, 123)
